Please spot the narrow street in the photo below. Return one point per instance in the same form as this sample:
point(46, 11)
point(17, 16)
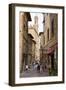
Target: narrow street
point(34, 73)
point(38, 44)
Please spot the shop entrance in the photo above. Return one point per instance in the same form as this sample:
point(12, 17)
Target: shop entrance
point(52, 61)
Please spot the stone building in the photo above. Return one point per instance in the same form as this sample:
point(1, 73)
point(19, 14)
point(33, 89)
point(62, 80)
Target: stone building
point(24, 17)
point(35, 35)
point(36, 23)
point(33, 30)
point(50, 49)
point(30, 42)
point(41, 37)
point(33, 50)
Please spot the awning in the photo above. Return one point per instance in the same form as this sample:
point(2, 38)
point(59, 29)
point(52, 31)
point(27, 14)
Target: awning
point(49, 50)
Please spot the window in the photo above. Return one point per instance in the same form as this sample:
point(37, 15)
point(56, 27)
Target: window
point(52, 27)
point(47, 34)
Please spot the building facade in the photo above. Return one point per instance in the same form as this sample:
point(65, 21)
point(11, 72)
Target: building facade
point(33, 30)
point(30, 42)
point(50, 48)
point(41, 37)
point(33, 50)
point(23, 39)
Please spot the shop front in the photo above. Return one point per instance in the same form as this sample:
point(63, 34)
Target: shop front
point(49, 57)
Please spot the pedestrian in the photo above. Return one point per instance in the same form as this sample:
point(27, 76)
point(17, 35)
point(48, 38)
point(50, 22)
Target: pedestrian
point(38, 68)
point(45, 67)
point(26, 67)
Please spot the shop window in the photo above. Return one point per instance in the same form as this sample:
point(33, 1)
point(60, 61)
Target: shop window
point(52, 61)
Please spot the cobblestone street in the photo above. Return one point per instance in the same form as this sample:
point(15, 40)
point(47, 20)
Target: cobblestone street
point(34, 73)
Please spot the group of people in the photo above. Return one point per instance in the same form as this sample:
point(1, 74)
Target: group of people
point(38, 66)
point(41, 68)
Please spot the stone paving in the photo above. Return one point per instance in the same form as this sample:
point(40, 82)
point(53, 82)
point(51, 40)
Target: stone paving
point(34, 73)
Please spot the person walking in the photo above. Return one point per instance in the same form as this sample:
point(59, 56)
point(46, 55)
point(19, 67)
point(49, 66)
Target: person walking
point(26, 67)
point(38, 68)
